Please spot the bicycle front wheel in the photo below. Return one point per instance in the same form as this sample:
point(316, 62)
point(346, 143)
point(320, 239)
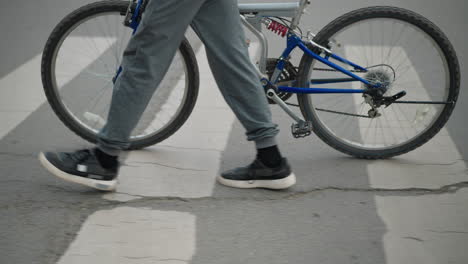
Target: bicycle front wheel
point(400, 49)
point(81, 58)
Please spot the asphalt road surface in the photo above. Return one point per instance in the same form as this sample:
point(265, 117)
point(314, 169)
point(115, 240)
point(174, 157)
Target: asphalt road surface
point(168, 208)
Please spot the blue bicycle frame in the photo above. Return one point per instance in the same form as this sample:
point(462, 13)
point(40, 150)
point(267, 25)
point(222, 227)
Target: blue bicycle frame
point(294, 42)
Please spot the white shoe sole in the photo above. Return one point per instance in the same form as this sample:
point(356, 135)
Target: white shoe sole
point(268, 184)
point(96, 184)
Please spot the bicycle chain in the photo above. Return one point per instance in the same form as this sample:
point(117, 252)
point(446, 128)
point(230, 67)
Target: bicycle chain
point(331, 111)
point(341, 113)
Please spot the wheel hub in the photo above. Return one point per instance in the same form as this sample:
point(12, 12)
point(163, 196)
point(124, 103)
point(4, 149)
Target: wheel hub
point(380, 81)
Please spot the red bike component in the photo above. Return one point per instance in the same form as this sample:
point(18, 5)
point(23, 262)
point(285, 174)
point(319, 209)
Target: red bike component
point(278, 28)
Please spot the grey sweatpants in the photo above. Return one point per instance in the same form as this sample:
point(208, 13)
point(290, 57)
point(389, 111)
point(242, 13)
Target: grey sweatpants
point(151, 50)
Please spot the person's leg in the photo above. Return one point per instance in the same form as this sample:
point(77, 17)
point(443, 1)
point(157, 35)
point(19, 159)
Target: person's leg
point(218, 25)
point(145, 62)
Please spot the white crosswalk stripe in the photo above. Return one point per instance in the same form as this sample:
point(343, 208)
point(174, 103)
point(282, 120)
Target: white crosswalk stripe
point(409, 220)
point(438, 151)
point(22, 91)
point(144, 236)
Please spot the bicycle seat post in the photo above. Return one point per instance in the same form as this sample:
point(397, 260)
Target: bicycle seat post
point(300, 11)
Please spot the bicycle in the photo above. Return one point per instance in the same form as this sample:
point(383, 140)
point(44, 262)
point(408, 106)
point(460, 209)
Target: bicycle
point(366, 118)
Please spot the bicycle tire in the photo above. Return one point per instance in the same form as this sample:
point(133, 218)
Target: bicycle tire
point(323, 37)
point(53, 44)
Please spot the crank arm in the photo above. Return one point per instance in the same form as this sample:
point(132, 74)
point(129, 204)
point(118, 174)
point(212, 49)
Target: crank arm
point(273, 96)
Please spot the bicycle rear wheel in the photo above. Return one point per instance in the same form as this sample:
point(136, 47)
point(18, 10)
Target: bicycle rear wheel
point(81, 58)
point(400, 48)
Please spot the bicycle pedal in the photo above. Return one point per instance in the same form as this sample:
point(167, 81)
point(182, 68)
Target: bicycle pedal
point(301, 129)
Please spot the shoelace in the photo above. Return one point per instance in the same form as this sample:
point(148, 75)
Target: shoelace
point(79, 156)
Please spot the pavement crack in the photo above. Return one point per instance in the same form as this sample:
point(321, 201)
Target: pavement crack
point(172, 259)
point(129, 194)
point(162, 165)
point(433, 164)
point(200, 149)
point(427, 164)
point(12, 181)
point(103, 225)
point(447, 231)
point(414, 238)
point(282, 195)
point(155, 258)
point(450, 188)
point(11, 154)
point(147, 257)
point(141, 197)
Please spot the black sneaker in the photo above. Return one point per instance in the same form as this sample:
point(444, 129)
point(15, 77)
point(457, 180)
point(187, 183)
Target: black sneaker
point(257, 175)
point(80, 167)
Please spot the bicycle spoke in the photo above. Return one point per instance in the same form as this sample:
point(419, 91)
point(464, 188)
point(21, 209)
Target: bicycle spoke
point(394, 50)
point(94, 47)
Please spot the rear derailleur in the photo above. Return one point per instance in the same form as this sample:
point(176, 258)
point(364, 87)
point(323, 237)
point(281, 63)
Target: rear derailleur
point(375, 99)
